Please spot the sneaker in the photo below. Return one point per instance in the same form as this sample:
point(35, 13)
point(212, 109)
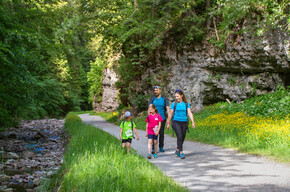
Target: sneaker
point(182, 156)
point(155, 155)
point(153, 151)
point(149, 156)
point(161, 149)
point(177, 153)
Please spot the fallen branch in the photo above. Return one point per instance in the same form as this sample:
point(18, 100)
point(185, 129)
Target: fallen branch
point(216, 32)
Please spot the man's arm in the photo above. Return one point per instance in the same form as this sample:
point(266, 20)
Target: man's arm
point(167, 106)
point(169, 118)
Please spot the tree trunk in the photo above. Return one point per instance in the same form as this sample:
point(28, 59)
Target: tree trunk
point(94, 103)
point(208, 20)
point(136, 5)
point(215, 28)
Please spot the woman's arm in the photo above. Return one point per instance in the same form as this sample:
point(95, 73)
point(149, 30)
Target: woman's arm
point(190, 115)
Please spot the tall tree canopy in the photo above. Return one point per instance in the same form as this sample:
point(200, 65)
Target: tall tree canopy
point(52, 52)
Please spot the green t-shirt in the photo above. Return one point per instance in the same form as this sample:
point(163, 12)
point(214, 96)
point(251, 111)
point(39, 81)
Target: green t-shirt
point(127, 129)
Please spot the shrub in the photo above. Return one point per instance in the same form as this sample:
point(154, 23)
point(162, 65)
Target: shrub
point(73, 118)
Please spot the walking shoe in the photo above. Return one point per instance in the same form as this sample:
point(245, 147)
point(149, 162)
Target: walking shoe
point(149, 156)
point(155, 155)
point(182, 156)
point(153, 151)
point(161, 149)
point(177, 153)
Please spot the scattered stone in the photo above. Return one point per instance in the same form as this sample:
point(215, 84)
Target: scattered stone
point(28, 154)
point(3, 187)
point(40, 146)
point(8, 155)
point(12, 155)
point(4, 177)
point(11, 135)
point(2, 136)
point(16, 176)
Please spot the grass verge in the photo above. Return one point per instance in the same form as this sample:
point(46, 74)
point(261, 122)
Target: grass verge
point(95, 161)
point(260, 125)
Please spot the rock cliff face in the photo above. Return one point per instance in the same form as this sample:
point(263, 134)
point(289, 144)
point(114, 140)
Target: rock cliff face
point(245, 68)
point(110, 93)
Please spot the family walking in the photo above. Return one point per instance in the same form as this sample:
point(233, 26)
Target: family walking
point(158, 106)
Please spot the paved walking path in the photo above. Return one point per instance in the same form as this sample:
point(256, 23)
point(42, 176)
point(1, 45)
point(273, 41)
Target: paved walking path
point(209, 168)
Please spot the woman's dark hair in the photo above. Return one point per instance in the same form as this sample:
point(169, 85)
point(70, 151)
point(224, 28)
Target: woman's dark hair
point(153, 106)
point(181, 94)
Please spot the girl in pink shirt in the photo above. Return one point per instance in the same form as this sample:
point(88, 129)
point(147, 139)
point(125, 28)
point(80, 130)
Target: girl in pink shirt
point(153, 126)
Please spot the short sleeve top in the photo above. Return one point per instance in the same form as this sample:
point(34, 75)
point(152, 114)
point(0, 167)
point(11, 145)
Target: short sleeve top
point(180, 111)
point(127, 129)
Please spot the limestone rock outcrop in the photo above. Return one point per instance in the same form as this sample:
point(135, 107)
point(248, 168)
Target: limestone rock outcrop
point(207, 75)
point(110, 92)
point(241, 70)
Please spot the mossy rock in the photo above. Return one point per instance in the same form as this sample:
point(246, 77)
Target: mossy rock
point(74, 118)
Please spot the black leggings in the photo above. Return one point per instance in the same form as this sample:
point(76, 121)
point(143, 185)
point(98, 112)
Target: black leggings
point(180, 131)
point(161, 134)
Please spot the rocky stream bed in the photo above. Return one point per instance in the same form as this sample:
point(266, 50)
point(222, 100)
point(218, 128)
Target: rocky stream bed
point(30, 152)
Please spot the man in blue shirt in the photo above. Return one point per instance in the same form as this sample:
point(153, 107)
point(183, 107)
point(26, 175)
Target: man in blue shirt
point(162, 105)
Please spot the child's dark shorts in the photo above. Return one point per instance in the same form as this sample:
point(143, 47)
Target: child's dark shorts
point(129, 140)
point(154, 137)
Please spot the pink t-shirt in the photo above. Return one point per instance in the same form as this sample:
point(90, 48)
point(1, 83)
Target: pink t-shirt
point(153, 123)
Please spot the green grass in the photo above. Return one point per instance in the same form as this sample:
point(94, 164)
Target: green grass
point(80, 112)
point(276, 104)
point(244, 135)
point(95, 161)
point(263, 129)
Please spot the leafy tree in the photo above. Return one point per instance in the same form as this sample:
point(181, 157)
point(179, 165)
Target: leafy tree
point(260, 16)
point(53, 52)
point(95, 78)
point(44, 59)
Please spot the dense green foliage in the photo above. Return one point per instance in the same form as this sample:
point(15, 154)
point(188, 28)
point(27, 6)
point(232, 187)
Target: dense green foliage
point(276, 105)
point(95, 161)
point(44, 59)
point(142, 30)
point(95, 77)
point(53, 52)
point(253, 16)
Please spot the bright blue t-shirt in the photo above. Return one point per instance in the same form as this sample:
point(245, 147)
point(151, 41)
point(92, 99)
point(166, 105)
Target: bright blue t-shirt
point(159, 104)
point(180, 111)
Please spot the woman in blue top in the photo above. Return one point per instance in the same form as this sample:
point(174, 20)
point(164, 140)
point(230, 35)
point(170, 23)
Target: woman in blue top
point(178, 112)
